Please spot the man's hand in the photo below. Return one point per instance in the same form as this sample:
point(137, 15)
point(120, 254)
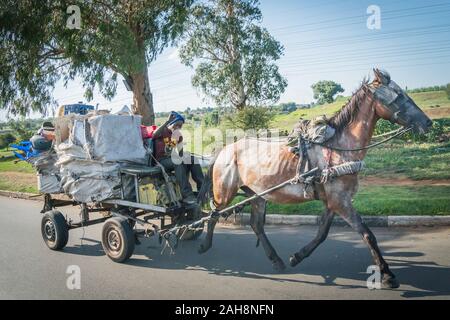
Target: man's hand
point(172, 116)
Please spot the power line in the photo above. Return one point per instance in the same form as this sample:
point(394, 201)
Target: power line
point(365, 57)
point(308, 72)
point(358, 17)
point(383, 35)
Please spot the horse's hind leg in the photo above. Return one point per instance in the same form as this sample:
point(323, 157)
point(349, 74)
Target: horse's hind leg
point(257, 224)
point(224, 191)
point(322, 234)
point(207, 242)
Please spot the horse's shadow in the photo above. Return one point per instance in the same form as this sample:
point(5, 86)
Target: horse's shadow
point(235, 255)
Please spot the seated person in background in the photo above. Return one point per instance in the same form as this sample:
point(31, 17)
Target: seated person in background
point(42, 140)
point(166, 140)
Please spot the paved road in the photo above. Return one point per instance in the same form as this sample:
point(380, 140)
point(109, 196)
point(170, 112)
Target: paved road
point(232, 269)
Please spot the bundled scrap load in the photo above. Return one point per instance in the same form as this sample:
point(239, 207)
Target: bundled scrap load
point(87, 153)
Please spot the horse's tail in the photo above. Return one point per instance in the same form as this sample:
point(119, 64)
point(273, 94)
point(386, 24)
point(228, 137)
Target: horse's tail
point(205, 191)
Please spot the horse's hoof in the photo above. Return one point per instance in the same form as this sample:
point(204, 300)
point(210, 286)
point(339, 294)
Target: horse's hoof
point(390, 282)
point(203, 249)
point(294, 260)
point(279, 265)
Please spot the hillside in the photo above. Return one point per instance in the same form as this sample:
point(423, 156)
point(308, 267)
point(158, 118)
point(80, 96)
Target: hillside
point(435, 103)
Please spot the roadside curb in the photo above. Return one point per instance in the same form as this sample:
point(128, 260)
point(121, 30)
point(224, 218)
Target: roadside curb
point(21, 195)
point(311, 220)
point(371, 221)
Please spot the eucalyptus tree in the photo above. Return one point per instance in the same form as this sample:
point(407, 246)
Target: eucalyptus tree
point(233, 55)
point(96, 40)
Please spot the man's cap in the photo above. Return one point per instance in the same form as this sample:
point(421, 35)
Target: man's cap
point(178, 118)
point(47, 125)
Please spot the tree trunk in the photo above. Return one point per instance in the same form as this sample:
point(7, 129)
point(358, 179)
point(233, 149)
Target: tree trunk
point(237, 93)
point(142, 97)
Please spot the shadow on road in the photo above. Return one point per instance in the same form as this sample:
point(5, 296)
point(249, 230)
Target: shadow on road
point(86, 247)
point(234, 254)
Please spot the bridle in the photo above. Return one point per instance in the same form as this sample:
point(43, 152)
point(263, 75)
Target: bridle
point(390, 101)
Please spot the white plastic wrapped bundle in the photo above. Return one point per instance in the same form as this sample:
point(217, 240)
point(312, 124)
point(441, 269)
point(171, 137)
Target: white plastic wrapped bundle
point(117, 138)
point(48, 178)
point(90, 159)
point(90, 181)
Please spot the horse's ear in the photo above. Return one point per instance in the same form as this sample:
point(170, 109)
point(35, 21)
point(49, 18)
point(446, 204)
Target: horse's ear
point(382, 76)
point(378, 75)
point(377, 80)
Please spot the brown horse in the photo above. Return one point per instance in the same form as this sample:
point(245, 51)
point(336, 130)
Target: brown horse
point(255, 165)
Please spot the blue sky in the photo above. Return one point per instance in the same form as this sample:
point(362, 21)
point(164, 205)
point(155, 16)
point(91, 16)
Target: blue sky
point(323, 40)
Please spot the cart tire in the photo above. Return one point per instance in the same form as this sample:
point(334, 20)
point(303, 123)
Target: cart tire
point(54, 230)
point(118, 239)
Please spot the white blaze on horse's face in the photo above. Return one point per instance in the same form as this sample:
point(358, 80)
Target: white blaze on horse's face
point(397, 105)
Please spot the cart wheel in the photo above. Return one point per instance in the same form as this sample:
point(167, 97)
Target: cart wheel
point(54, 230)
point(118, 239)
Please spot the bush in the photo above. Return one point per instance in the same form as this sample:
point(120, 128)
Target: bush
point(6, 139)
point(439, 128)
point(212, 119)
point(251, 118)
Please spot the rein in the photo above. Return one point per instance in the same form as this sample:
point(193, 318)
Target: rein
point(399, 132)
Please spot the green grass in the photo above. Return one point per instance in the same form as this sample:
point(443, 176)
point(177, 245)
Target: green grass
point(7, 163)
point(16, 176)
point(426, 100)
point(15, 186)
point(382, 200)
point(415, 161)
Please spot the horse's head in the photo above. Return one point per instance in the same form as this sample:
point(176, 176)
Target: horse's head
point(393, 104)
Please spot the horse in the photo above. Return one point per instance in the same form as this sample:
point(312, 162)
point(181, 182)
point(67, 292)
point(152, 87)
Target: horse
point(255, 167)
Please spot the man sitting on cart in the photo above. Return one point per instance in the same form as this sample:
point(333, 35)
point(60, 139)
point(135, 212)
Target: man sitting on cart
point(166, 139)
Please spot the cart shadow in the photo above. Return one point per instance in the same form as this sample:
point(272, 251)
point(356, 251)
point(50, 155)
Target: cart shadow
point(234, 255)
point(86, 247)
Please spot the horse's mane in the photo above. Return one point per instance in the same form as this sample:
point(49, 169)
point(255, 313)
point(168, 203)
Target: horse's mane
point(342, 118)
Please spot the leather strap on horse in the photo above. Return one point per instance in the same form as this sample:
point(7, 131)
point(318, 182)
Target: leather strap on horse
point(400, 132)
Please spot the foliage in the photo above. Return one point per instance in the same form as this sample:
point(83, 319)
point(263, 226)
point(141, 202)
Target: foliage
point(116, 38)
point(233, 55)
point(447, 90)
point(251, 118)
point(285, 107)
point(325, 90)
point(6, 139)
point(212, 119)
point(426, 89)
point(439, 128)
point(415, 161)
point(24, 130)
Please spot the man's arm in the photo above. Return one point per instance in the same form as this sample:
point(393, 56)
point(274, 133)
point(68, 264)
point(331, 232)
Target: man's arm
point(157, 133)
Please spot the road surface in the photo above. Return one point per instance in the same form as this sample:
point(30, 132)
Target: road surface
point(232, 269)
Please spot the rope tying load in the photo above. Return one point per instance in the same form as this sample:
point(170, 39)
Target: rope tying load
point(346, 168)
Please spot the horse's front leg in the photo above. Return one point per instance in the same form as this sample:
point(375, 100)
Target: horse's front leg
point(349, 214)
point(257, 224)
point(322, 234)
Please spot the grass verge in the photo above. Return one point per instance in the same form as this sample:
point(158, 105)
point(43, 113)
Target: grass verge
point(382, 200)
